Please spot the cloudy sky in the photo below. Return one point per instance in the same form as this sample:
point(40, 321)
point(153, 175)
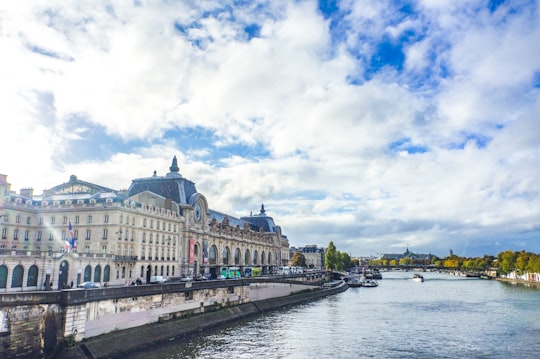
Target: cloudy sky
point(373, 124)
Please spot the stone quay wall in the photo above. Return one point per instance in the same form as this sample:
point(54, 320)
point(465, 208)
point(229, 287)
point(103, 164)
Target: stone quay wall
point(129, 340)
point(30, 324)
point(38, 324)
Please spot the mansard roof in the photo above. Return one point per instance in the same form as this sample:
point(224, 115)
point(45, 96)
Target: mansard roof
point(263, 221)
point(76, 186)
point(172, 185)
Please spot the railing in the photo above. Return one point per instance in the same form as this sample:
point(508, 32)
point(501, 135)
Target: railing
point(125, 258)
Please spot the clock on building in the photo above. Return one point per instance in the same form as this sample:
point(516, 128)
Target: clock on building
point(197, 213)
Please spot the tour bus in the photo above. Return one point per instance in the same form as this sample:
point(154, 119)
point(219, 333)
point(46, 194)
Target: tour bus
point(256, 272)
point(230, 272)
point(252, 272)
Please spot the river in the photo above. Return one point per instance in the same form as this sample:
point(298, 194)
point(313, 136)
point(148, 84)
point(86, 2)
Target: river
point(445, 317)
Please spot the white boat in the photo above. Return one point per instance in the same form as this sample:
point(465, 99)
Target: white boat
point(418, 278)
point(354, 282)
point(369, 283)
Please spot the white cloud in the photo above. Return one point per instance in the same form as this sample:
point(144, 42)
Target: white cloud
point(332, 173)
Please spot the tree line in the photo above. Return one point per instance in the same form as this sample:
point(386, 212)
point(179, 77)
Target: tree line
point(505, 262)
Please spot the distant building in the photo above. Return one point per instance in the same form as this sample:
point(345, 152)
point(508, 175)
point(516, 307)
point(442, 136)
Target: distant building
point(313, 254)
point(80, 231)
point(417, 258)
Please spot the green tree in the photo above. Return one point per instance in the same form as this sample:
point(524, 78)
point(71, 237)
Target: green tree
point(506, 261)
point(522, 260)
point(405, 261)
point(344, 261)
point(533, 266)
point(331, 257)
point(298, 260)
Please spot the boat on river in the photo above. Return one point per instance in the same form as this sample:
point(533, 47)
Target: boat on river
point(355, 282)
point(370, 283)
point(418, 278)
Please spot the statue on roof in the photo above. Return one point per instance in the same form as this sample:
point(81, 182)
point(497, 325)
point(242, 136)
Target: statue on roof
point(174, 167)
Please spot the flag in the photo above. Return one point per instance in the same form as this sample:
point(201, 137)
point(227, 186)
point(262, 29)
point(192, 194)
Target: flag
point(70, 230)
point(69, 238)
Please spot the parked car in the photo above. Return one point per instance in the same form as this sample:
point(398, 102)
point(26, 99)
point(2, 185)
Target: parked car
point(89, 285)
point(157, 279)
point(186, 279)
point(201, 277)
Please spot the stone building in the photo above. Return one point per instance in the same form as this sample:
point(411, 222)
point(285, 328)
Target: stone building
point(83, 232)
point(314, 255)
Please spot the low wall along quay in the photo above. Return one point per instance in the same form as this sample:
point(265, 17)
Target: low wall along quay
point(100, 323)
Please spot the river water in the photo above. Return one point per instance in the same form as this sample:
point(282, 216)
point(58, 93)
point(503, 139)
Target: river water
point(445, 317)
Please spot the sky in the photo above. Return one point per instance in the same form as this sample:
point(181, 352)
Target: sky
point(377, 125)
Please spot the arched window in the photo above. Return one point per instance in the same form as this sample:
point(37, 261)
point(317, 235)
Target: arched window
point(87, 273)
point(255, 255)
point(17, 279)
point(269, 258)
point(97, 274)
point(3, 276)
point(262, 258)
point(225, 256)
point(247, 257)
point(32, 276)
point(107, 273)
point(212, 255)
point(237, 256)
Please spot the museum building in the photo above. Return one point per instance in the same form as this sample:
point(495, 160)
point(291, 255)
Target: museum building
point(83, 232)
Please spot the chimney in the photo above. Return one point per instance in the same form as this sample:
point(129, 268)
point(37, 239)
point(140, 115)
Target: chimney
point(27, 192)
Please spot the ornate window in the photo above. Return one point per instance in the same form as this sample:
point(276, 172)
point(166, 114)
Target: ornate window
point(97, 274)
point(225, 256)
point(107, 273)
point(32, 276)
point(3, 276)
point(237, 256)
point(247, 258)
point(87, 273)
point(17, 279)
point(212, 255)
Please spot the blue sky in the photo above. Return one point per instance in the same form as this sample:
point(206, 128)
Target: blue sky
point(373, 124)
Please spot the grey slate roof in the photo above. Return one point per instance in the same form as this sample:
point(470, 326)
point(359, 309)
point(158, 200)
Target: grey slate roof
point(172, 185)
